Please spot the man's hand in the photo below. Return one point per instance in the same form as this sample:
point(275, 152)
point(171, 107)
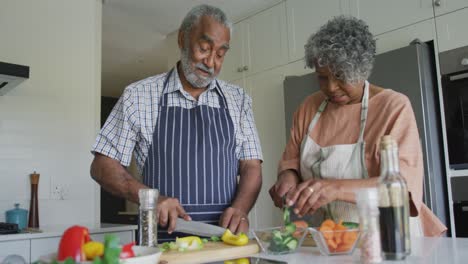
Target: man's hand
point(234, 219)
point(168, 210)
point(287, 181)
point(312, 194)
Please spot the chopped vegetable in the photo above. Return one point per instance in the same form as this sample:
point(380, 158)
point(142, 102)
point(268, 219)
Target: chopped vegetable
point(301, 225)
point(235, 240)
point(339, 237)
point(215, 238)
point(127, 251)
point(93, 249)
point(351, 225)
point(189, 243)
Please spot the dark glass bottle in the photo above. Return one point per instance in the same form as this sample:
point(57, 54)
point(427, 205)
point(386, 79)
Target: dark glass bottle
point(393, 203)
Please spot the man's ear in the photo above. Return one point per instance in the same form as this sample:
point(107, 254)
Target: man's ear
point(180, 39)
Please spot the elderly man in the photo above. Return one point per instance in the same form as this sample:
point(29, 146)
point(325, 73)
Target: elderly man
point(191, 134)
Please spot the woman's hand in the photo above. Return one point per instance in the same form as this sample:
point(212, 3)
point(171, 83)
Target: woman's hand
point(287, 181)
point(312, 194)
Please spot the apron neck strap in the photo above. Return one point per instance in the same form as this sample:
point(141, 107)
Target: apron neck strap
point(364, 107)
point(163, 99)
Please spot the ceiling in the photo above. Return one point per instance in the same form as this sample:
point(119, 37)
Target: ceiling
point(133, 34)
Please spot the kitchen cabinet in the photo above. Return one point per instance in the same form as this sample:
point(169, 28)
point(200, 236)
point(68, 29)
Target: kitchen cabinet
point(258, 43)
point(266, 89)
point(424, 31)
point(451, 30)
point(19, 247)
point(31, 246)
point(445, 6)
point(43, 246)
point(383, 15)
point(305, 17)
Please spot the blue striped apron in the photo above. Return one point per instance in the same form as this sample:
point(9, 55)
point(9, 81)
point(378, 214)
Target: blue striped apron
point(192, 158)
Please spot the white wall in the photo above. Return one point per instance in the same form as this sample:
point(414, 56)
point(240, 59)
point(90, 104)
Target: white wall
point(48, 123)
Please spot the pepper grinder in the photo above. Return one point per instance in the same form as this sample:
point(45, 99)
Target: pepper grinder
point(33, 206)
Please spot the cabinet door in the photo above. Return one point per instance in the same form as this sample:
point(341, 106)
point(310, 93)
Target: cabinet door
point(383, 15)
point(424, 31)
point(43, 246)
point(444, 6)
point(19, 247)
point(268, 108)
point(266, 36)
point(124, 236)
point(451, 30)
point(234, 60)
point(305, 17)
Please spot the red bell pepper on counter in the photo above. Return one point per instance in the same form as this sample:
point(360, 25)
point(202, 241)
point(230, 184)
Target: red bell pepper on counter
point(71, 243)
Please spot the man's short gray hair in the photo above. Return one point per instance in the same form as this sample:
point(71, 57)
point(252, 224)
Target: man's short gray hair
point(194, 15)
point(344, 45)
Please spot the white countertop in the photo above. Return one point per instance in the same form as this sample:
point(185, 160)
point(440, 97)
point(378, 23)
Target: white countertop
point(424, 250)
point(54, 231)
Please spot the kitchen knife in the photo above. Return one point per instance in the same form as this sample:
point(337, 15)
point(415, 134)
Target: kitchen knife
point(200, 228)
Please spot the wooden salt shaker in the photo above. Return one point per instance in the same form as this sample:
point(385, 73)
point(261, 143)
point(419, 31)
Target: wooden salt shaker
point(33, 206)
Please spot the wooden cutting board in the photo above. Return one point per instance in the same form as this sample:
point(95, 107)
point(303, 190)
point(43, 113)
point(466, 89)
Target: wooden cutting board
point(212, 251)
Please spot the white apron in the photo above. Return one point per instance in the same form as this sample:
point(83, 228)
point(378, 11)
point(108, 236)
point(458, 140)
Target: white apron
point(346, 161)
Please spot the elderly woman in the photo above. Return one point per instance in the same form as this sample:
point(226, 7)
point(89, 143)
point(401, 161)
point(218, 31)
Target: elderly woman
point(334, 144)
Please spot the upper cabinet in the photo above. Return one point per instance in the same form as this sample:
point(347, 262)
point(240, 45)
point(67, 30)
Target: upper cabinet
point(235, 60)
point(383, 15)
point(451, 30)
point(445, 6)
point(258, 43)
point(305, 17)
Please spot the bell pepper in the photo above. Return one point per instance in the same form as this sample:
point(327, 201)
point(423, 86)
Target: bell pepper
point(71, 243)
point(127, 251)
point(93, 249)
point(238, 261)
point(189, 243)
point(235, 240)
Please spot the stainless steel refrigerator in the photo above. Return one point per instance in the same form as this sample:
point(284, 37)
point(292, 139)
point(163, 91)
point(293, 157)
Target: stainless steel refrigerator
point(411, 71)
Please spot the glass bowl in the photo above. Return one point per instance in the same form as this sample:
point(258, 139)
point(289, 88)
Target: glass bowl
point(279, 240)
point(335, 242)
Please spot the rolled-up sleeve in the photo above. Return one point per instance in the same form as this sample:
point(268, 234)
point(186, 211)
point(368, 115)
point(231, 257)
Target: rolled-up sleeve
point(251, 148)
point(117, 137)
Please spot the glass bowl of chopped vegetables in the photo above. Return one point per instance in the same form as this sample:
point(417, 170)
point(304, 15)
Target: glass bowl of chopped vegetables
point(280, 240)
point(336, 238)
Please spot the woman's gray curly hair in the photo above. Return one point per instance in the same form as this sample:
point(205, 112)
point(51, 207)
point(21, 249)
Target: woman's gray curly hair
point(344, 45)
point(194, 15)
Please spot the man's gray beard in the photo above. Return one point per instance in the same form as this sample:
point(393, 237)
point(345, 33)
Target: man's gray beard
point(195, 80)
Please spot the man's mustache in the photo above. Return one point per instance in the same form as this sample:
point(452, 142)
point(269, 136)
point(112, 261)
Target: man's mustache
point(202, 67)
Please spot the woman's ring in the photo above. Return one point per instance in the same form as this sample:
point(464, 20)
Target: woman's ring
point(243, 219)
point(310, 189)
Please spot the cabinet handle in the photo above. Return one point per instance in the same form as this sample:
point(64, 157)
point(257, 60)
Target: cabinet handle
point(240, 69)
point(245, 68)
point(437, 3)
point(464, 62)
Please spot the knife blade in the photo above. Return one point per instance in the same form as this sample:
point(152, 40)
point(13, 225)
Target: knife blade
point(200, 228)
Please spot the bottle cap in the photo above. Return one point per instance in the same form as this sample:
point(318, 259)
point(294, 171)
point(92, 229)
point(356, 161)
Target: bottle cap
point(368, 196)
point(148, 198)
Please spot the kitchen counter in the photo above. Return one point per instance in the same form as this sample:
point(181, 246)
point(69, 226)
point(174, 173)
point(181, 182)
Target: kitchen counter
point(57, 231)
point(424, 250)
point(31, 246)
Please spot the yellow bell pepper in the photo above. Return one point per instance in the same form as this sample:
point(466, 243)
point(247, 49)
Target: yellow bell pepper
point(189, 243)
point(93, 249)
point(235, 240)
point(238, 261)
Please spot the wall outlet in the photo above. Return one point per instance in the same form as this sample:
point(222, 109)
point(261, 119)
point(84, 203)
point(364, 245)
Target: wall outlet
point(59, 192)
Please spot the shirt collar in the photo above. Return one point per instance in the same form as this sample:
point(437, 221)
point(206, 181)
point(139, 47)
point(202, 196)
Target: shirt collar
point(174, 83)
